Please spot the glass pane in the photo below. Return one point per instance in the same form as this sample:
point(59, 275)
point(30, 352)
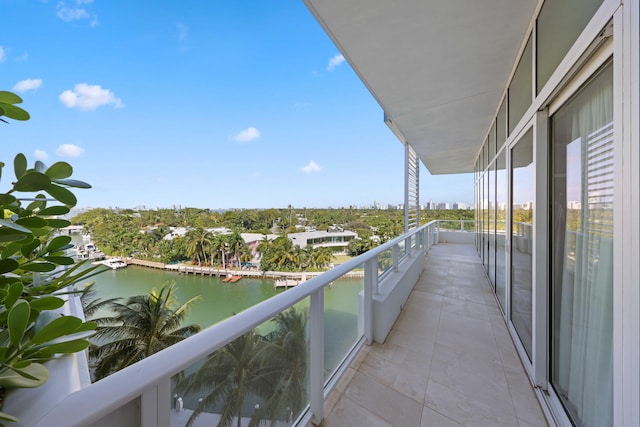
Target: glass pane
point(481, 219)
point(559, 24)
point(520, 88)
point(501, 226)
point(385, 261)
point(582, 253)
point(522, 195)
point(501, 125)
point(485, 151)
point(261, 377)
point(476, 213)
point(492, 142)
point(485, 222)
point(491, 225)
point(343, 324)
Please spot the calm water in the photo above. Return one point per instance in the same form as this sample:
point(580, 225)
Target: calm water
point(219, 300)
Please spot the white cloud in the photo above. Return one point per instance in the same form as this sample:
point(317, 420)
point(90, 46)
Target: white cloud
point(76, 12)
point(312, 167)
point(68, 14)
point(3, 54)
point(40, 154)
point(69, 150)
point(183, 31)
point(89, 97)
point(301, 104)
point(334, 62)
point(28, 84)
point(247, 135)
point(22, 57)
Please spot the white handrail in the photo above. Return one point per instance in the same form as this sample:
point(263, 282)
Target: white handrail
point(103, 397)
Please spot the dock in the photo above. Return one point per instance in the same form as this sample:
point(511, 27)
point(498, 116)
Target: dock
point(286, 283)
point(236, 274)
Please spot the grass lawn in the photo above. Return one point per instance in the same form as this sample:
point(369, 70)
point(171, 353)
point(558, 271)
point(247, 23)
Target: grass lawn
point(341, 259)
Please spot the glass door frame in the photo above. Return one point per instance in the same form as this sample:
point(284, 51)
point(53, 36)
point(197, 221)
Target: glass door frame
point(540, 371)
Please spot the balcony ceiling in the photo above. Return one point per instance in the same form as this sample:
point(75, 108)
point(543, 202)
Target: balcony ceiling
point(436, 67)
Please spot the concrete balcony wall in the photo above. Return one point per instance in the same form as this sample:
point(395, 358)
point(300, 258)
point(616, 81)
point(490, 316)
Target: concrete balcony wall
point(394, 289)
point(450, 236)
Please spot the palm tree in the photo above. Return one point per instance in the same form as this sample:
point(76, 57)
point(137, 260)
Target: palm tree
point(321, 257)
point(236, 243)
point(272, 369)
point(226, 378)
point(92, 304)
point(141, 326)
point(284, 365)
point(220, 244)
point(198, 243)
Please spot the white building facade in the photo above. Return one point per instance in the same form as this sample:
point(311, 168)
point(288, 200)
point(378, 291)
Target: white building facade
point(337, 240)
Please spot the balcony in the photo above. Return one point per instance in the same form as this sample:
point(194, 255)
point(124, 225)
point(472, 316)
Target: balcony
point(448, 361)
point(424, 344)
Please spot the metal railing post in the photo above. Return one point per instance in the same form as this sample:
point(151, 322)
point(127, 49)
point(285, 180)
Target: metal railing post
point(423, 239)
point(395, 256)
point(316, 356)
point(370, 289)
point(155, 405)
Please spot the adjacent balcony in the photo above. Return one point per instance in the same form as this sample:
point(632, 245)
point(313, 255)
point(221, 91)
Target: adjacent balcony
point(417, 341)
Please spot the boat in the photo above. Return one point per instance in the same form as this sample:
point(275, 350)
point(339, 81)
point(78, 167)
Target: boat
point(114, 263)
point(234, 279)
point(89, 251)
point(285, 283)
point(227, 279)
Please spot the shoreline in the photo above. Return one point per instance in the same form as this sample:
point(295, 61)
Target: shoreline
point(220, 272)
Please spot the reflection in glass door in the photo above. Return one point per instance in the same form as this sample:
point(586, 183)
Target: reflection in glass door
point(491, 225)
point(522, 195)
point(501, 227)
point(581, 245)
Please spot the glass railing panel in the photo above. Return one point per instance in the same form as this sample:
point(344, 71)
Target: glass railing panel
point(343, 319)
point(385, 262)
point(402, 248)
point(449, 225)
point(261, 378)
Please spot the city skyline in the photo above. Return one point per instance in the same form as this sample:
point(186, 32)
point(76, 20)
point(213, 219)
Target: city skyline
point(238, 105)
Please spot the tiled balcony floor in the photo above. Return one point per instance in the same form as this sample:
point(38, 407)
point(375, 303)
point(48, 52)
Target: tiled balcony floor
point(448, 361)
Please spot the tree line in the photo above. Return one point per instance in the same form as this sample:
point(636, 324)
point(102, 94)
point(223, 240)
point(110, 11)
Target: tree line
point(141, 233)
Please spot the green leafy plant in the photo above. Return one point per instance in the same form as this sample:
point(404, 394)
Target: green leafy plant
point(36, 272)
point(8, 107)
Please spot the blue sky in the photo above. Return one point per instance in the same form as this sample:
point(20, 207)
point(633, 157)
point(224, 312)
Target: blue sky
point(240, 104)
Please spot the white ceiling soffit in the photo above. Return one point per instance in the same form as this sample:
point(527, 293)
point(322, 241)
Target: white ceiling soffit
point(436, 67)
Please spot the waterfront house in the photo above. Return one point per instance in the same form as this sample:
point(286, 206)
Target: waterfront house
point(334, 239)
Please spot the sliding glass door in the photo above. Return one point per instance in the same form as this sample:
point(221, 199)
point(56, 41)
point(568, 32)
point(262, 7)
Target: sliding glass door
point(522, 209)
point(581, 244)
